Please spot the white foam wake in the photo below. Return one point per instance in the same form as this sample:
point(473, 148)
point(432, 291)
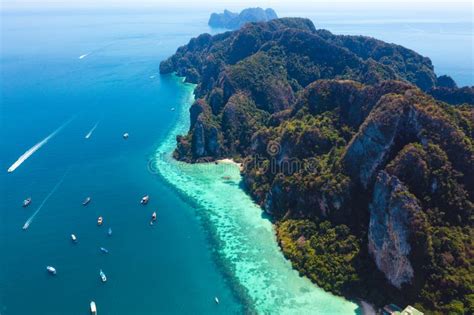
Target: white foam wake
point(35, 148)
point(89, 134)
point(28, 222)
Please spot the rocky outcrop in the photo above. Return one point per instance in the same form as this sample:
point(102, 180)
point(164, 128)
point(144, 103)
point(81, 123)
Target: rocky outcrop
point(240, 120)
point(233, 20)
point(204, 141)
point(446, 81)
point(426, 171)
point(393, 120)
point(454, 95)
point(391, 211)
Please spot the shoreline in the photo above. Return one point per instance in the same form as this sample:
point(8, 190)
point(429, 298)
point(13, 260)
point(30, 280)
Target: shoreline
point(231, 161)
point(246, 242)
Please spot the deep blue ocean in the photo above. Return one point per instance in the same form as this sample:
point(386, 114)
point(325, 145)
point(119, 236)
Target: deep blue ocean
point(80, 69)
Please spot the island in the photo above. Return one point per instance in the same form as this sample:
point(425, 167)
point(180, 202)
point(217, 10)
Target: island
point(231, 20)
point(361, 155)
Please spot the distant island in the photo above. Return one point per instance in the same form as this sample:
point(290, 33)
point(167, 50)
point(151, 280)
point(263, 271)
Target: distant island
point(233, 20)
point(362, 155)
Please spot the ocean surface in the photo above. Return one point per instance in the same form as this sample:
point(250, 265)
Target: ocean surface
point(68, 74)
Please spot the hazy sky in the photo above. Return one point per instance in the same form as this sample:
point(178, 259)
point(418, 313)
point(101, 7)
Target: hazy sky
point(407, 4)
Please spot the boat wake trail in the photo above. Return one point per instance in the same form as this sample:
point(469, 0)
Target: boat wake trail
point(101, 48)
point(28, 222)
point(89, 134)
point(35, 148)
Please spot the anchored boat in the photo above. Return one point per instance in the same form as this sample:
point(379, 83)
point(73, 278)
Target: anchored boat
point(93, 308)
point(26, 202)
point(145, 200)
point(153, 218)
point(86, 201)
point(99, 221)
point(51, 270)
point(73, 238)
point(102, 276)
point(104, 250)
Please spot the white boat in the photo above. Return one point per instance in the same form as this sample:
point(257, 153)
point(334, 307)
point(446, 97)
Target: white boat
point(109, 232)
point(145, 200)
point(100, 220)
point(51, 270)
point(153, 218)
point(125, 135)
point(26, 202)
point(73, 238)
point(104, 250)
point(216, 300)
point(102, 276)
point(172, 109)
point(93, 308)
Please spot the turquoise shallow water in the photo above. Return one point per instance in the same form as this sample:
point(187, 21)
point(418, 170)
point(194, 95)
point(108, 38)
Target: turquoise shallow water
point(210, 239)
point(245, 241)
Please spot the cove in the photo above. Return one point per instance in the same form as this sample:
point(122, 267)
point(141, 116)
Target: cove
point(244, 241)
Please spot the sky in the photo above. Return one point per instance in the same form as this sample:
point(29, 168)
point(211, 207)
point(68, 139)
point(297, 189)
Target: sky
point(428, 10)
point(232, 4)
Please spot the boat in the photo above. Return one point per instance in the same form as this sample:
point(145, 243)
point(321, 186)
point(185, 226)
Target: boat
point(51, 270)
point(125, 135)
point(104, 250)
point(145, 200)
point(99, 221)
point(26, 202)
point(109, 232)
point(172, 109)
point(216, 300)
point(86, 201)
point(102, 276)
point(153, 218)
point(73, 238)
point(93, 308)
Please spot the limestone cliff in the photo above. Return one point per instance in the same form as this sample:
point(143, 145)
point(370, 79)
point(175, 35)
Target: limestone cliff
point(391, 211)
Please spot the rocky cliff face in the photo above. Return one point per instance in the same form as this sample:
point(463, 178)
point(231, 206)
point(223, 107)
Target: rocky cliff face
point(341, 129)
point(391, 211)
point(394, 119)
